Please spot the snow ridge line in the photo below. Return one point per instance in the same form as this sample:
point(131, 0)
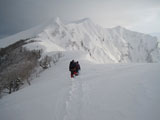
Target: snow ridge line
point(74, 103)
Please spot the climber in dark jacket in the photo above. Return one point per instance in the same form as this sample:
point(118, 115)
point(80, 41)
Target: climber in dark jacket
point(77, 67)
point(72, 68)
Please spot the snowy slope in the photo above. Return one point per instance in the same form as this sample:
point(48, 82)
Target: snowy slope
point(22, 35)
point(158, 37)
point(100, 92)
point(112, 45)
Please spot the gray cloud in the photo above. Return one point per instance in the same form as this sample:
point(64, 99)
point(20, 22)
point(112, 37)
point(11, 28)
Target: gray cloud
point(18, 15)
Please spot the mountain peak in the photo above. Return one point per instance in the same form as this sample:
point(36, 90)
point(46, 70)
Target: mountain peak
point(83, 20)
point(57, 19)
point(53, 20)
point(119, 27)
point(86, 19)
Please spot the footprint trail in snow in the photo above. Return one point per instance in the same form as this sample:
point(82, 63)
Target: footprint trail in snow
point(74, 102)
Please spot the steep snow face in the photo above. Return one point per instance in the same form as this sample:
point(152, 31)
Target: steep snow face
point(158, 37)
point(112, 45)
point(132, 46)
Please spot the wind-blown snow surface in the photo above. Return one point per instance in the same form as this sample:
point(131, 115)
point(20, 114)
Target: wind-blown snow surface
point(100, 92)
point(111, 45)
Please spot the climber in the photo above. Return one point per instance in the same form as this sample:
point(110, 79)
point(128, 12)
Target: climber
point(72, 68)
point(77, 67)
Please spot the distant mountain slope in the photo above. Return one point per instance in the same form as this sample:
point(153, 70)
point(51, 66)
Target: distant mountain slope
point(111, 45)
point(158, 37)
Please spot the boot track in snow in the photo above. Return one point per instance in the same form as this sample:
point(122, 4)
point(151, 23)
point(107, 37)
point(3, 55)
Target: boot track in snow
point(74, 102)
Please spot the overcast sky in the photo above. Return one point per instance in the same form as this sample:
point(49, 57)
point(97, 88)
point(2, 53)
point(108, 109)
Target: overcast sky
point(138, 15)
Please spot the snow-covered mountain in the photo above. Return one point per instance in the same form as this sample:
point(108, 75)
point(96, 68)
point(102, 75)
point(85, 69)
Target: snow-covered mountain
point(100, 91)
point(102, 45)
point(158, 37)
